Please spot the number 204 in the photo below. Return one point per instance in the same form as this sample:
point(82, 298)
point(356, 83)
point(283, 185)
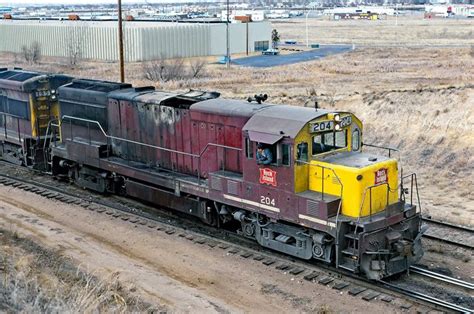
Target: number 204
point(267, 200)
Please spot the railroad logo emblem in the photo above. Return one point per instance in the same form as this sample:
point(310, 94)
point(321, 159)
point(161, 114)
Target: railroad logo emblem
point(268, 176)
point(381, 176)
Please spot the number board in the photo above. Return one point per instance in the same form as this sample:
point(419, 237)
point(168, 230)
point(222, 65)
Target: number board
point(345, 121)
point(322, 126)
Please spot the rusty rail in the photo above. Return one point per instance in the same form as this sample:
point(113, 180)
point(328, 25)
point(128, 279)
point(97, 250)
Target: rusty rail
point(198, 156)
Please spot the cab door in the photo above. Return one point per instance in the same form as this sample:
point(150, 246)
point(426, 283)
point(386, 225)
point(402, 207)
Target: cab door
point(270, 187)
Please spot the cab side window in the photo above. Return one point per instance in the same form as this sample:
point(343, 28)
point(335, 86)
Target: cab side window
point(302, 152)
point(328, 141)
point(248, 148)
point(285, 154)
point(266, 154)
point(356, 140)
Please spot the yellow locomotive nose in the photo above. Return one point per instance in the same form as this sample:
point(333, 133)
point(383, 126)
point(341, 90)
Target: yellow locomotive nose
point(368, 183)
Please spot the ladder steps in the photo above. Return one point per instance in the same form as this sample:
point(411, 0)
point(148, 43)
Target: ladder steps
point(351, 251)
point(348, 266)
point(352, 235)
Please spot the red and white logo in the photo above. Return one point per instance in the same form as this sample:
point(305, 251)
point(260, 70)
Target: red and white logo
point(381, 176)
point(268, 176)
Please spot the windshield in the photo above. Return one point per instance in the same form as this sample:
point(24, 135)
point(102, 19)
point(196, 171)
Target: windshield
point(326, 142)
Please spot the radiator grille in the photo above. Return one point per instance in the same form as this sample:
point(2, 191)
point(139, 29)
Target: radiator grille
point(232, 187)
point(216, 183)
point(312, 208)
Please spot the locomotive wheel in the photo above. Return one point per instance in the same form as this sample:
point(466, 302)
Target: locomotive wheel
point(317, 250)
point(248, 229)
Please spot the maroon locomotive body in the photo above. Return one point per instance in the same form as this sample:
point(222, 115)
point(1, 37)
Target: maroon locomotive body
point(197, 153)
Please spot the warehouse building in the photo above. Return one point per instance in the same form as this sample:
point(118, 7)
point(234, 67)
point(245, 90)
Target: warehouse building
point(144, 41)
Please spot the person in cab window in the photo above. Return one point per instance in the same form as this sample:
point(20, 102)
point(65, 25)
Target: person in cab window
point(264, 155)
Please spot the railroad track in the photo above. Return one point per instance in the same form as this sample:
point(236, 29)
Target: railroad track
point(457, 235)
point(435, 275)
point(237, 246)
point(427, 298)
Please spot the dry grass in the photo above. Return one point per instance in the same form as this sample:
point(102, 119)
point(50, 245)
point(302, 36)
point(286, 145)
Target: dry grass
point(38, 280)
point(418, 99)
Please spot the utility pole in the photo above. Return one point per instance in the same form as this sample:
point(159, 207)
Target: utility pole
point(306, 22)
point(120, 29)
point(227, 37)
point(396, 14)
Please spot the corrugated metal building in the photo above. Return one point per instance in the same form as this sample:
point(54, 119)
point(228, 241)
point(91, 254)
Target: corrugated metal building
point(143, 40)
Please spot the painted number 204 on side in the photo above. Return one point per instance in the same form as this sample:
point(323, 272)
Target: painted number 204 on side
point(267, 200)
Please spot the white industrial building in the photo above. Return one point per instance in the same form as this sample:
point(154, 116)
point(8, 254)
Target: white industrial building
point(144, 41)
point(361, 9)
point(255, 15)
point(446, 10)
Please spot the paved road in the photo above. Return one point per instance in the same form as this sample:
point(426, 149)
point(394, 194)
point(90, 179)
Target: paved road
point(262, 61)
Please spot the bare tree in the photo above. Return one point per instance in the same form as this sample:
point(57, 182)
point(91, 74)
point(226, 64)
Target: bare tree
point(155, 70)
point(197, 67)
point(173, 69)
point(25, 52)
point(75, 45)
point(31, 54)
point(176, 70)
point(35, 52)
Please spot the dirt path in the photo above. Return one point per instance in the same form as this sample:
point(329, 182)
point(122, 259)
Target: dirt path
point(165, 269)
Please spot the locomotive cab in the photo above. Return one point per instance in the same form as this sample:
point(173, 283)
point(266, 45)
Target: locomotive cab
point(330, 162)
point(321, 197)
point(336, 160)
point(28, 104)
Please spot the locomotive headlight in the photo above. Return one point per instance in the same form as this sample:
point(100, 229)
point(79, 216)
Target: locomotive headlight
point(337, 127)
point(337, 117)
point(53, 97)
point(53, 91)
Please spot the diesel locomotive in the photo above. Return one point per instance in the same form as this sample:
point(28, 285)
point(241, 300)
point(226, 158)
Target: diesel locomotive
point(320, 196)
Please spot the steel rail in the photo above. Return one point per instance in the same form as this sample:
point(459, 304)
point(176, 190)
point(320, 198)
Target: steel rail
point(447, 241)
point(448, 224)
point(452, 226)
point(441, 277)
point(425, 297)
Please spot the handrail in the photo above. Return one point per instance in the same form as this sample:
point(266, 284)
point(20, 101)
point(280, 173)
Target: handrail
point(322, 177)
point(149, 145)
point(49, 128)
point(203, 151)
point(11, 115)
point(390, 149)
point(365, 194)
point(414, 180)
